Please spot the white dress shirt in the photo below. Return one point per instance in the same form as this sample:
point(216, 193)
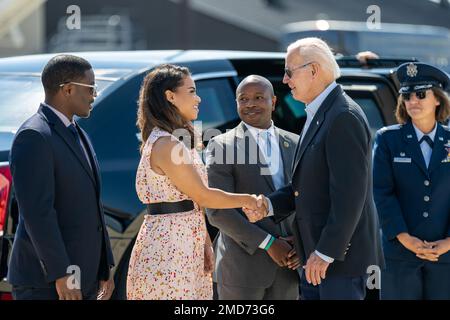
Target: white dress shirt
point(425, 147)
point(311, 110)
point(67, 123)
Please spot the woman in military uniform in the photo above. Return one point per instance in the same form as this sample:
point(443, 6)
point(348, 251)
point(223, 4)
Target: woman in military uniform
point(412, 187)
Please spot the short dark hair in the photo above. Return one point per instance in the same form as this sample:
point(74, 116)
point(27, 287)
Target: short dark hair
point(63, 68)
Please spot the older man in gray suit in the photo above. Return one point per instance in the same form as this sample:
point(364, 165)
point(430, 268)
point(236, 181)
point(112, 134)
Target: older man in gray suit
point(253, 261)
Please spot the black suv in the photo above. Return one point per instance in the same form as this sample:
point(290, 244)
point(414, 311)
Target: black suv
point(114, 134)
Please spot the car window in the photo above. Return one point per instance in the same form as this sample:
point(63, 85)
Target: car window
point(20, 97)
point(290, 114)
point(372, 112)
point(218, 105)
point(432, 49)
point(19, 100)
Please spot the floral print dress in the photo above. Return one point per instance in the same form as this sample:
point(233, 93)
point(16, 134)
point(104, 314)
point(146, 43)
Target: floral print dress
point(167, 261)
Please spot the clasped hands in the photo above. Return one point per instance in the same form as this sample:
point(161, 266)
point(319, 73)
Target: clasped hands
point(283, 253)
point(257, 208)
point(430, 251)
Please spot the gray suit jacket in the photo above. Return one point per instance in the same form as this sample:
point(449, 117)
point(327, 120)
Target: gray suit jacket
point(239, 261)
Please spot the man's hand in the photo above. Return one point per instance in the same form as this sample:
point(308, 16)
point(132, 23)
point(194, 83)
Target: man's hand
point(258, 210)
point(64, 292)
point(315, 269)
point(209, 258)
point(366, 55)
point(106, 289)
point(279, 252)
point(293, 260)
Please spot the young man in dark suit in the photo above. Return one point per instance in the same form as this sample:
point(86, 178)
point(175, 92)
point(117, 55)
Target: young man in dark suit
point(61, 247)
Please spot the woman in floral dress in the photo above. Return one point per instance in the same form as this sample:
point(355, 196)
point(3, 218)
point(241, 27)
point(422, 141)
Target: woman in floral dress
point(172, 257)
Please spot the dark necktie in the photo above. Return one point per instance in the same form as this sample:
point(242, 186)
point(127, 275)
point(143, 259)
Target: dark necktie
point(76, 135)
point(428, 140)
point(78, 139)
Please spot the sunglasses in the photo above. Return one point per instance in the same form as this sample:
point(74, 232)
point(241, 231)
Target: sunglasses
point(93, 87)
point(290, 72)
point(419, 94)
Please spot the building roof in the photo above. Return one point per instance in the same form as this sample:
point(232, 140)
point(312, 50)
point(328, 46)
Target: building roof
point(257, 16)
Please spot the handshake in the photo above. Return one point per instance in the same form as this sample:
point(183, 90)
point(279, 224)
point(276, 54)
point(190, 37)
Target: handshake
point(256, 207)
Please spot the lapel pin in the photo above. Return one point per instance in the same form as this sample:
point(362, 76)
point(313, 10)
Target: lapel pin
point(402, 154)
point(409, 136)
point(441, 139)
point(317, 122)
point(286, 144)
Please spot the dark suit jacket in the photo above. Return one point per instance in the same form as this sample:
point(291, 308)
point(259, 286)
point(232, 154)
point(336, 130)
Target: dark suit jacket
point(239, 261)
point(402, 182)
point(331, 189)
point(61, 219)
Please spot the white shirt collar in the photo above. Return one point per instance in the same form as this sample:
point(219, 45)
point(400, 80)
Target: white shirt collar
point(312, 107)
point(255, 131)
point(60, 115)
point(420, 134)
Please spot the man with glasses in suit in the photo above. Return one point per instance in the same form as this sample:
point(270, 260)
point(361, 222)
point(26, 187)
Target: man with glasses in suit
point(56, 180)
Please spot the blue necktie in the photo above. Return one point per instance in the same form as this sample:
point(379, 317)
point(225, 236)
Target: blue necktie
point(265, 136)
point(268, 147)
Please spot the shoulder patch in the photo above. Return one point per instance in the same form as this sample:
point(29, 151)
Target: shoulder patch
point(390, 128)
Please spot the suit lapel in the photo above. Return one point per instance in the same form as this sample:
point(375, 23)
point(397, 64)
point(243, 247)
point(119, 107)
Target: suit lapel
point(297, 148)
point(67, 137)
point(245, 141)
point(285, 146)
point(413, 147)
point(315, 125)
point(439, 152)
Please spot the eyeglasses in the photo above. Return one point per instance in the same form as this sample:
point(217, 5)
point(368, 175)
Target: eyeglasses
point(92, 86)
point(419, 94)
point(290, 72)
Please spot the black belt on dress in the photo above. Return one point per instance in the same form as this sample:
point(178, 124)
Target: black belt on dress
point(170, 207)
